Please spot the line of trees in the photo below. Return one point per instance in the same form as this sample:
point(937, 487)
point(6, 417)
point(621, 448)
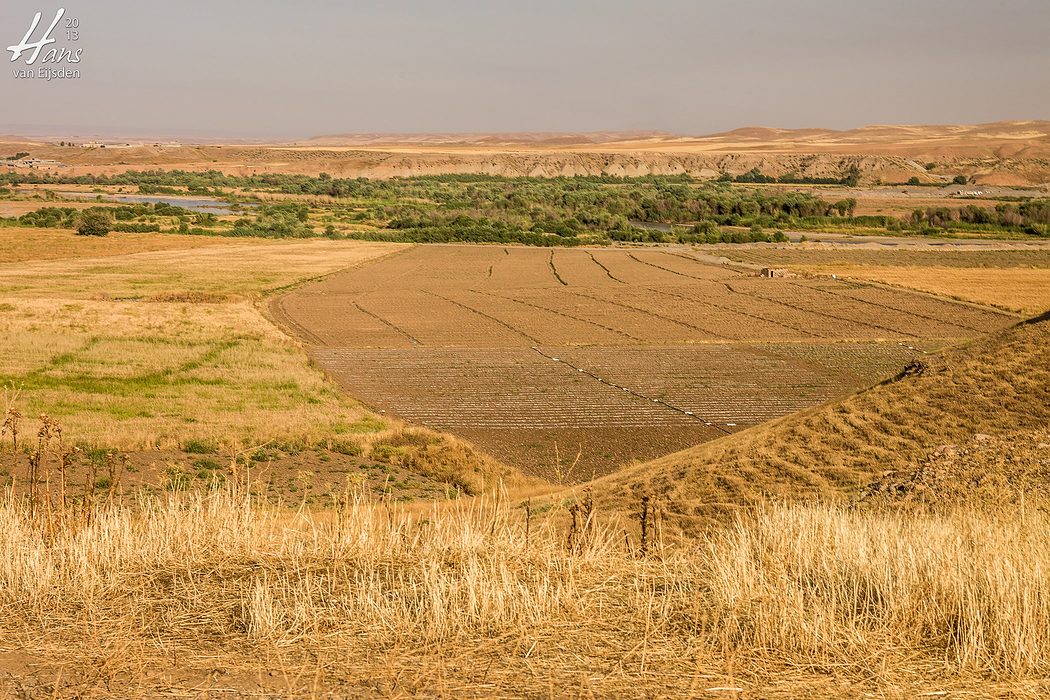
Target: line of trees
point(1031, 217)
point(556, 211)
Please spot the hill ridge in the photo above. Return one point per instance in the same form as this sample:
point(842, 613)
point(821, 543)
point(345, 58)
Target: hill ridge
point(993, 385)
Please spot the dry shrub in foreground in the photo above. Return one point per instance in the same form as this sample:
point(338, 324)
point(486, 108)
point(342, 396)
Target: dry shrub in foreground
point(215, 578)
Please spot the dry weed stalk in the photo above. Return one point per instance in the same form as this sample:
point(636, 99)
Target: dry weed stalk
point(650, 524)
point(46, 492)
point(582, 523)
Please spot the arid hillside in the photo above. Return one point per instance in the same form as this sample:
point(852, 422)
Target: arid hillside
point(996, 385)
point(1001, 153)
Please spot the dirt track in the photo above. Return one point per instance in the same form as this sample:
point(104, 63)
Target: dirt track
point(615, 355)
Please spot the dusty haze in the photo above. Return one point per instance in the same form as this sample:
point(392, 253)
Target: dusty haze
point(274, 70)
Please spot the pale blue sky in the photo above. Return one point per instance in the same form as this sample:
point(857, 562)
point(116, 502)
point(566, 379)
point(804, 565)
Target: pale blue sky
point(278, 69)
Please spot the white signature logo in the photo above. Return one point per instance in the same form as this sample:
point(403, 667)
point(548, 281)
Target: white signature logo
point(53, 55)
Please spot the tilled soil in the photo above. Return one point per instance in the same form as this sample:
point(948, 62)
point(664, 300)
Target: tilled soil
point(595, 358)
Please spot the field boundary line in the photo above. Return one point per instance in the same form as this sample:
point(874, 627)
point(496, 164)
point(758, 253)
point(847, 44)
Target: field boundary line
point(987, 308)
point(632, 392)
point(720, 261)
point(890, 308)
point(292, 286)
point(413, 339)
point(651, 313)
point(876, 326)
point(271, 303)
point(560, 313)
point(667, 269)
point(284, 322)
point(486, 316)
point(746, 314)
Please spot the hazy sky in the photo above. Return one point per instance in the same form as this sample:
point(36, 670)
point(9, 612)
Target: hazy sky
point(280, 69)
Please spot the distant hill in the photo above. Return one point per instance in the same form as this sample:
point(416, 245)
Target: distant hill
point(485, 139)
point(994, 386)
point(1007, 138)
point(996, 154)
point(995, 139)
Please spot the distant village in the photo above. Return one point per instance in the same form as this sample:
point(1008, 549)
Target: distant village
point(33, 163)
point(24, 161)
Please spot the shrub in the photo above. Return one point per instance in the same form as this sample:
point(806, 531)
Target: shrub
point(347, 446)
point(199, 447)
point(94, 222)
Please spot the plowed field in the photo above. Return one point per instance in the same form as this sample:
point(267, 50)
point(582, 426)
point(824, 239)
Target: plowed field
point(598, 357)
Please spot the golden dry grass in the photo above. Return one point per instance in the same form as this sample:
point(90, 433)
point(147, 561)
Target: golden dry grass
point(1022, 290)
point(1001, 255)
point(1016, 278)
point(221, 593)
point(231, 267)
point(217, 593)
point(24, 244)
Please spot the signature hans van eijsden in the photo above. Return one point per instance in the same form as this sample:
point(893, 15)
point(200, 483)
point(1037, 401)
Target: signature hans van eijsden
point(54, 56)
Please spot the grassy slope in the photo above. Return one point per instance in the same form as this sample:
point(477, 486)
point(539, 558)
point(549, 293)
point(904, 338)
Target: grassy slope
point(993, 385)
point(153, 349)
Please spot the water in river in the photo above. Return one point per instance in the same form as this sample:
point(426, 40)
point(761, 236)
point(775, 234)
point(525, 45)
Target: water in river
point(199, 204)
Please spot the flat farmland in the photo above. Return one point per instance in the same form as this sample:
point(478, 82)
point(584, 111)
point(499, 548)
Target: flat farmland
point(1008, 275)
point(570, 363)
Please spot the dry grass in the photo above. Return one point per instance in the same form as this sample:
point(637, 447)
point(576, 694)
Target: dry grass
point(1016, 279)
point(231, 267)
point(1023, 290)
point(24, 244)
point(217, 592)
point(1011, 255)
point(152, 350)
point(132, 375)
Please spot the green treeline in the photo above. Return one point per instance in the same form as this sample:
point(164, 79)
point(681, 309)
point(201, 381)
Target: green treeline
point(532, 211)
